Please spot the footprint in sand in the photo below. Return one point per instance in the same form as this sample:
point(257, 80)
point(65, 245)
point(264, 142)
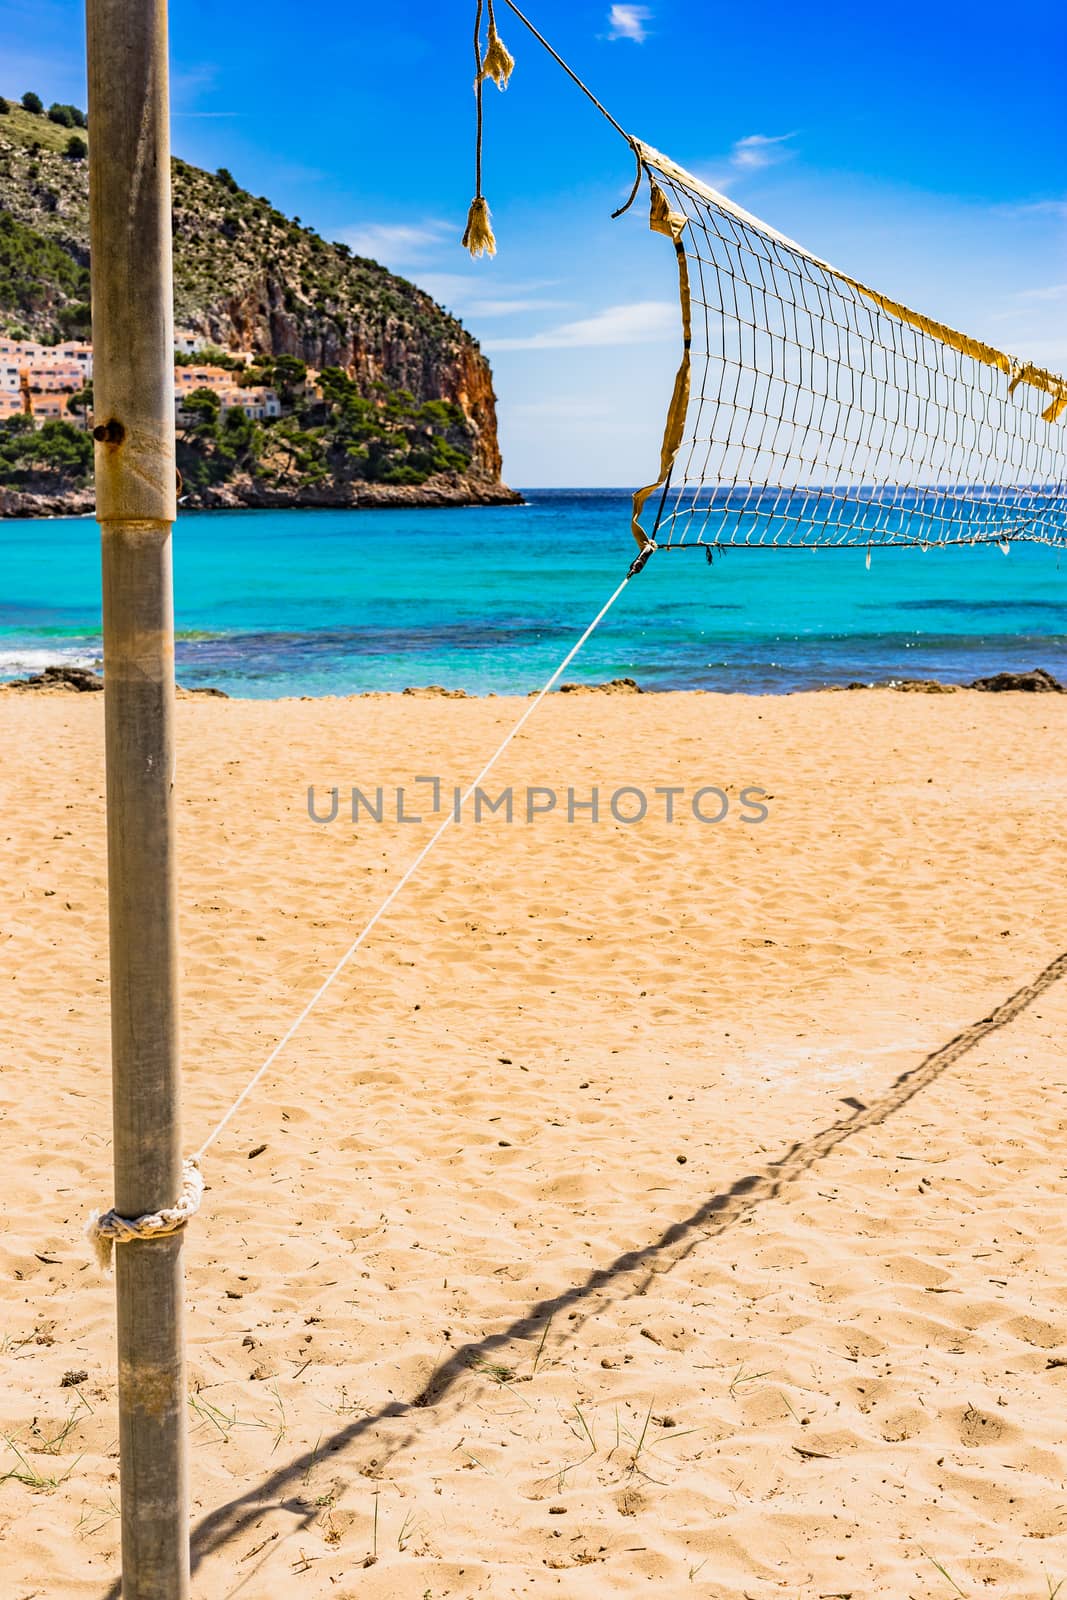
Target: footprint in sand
point(907, 1423)
point(1031, 1330)
point(980, 1428)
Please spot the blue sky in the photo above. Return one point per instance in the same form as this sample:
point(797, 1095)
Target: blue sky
point(919, 147)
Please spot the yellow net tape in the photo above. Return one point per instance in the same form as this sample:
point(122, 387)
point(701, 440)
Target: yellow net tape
point(672, 224)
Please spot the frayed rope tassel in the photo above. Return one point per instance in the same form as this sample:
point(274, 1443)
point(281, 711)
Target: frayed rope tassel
point(478, 235)
point(107, 1230)
point(498, 63)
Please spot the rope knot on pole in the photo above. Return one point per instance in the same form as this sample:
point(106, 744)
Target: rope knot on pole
point(107, 1229)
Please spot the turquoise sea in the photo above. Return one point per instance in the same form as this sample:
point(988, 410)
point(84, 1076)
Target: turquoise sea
point(333, 602)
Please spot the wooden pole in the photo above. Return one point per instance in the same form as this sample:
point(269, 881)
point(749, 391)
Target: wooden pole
point(133, 386)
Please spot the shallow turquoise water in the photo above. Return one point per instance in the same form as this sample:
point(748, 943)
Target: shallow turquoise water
point(333, 602)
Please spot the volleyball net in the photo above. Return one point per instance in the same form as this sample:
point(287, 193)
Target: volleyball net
point(811, 410)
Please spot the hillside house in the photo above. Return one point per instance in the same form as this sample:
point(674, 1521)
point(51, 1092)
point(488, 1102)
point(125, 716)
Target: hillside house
point(49, 408)
point(259, 404)
point(65, 377)
point(186, 379)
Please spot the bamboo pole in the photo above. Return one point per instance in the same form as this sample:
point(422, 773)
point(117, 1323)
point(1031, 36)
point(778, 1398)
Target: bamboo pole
point(133, 385)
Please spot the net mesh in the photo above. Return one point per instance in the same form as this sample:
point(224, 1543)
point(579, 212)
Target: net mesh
point(813, 411)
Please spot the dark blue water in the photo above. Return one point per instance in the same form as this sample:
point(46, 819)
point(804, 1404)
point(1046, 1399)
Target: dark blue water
point(333, 602)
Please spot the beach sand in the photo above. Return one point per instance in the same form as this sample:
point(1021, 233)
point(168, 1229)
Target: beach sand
point(620, 1224)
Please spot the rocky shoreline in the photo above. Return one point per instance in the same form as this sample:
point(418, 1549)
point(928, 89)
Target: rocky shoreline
point(82, 680)
point(1036, 681)
point(245, 494)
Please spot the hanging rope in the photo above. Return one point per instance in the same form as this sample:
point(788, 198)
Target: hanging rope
point(498, 63)
point(110, 1228)
point(478, 234)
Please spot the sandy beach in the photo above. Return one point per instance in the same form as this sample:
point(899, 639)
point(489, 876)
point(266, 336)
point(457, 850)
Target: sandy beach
point(662, 1208)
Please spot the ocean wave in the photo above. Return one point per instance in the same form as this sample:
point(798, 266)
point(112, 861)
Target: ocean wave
point(30, 658)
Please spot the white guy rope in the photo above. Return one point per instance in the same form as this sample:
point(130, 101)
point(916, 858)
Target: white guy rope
point(411, 871)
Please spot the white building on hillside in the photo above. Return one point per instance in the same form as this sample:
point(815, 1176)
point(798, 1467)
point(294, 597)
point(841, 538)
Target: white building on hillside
point(77, 353)
point(186, 379)
point(25, 355)
point(52, 407)
point(25, 350)
point(187, 343)
point(259, 404)
point(56, 377)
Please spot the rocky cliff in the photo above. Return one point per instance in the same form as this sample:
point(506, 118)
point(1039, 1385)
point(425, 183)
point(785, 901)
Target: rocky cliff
point(247, 278)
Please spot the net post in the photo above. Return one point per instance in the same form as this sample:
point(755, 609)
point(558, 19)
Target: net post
point(129, 191)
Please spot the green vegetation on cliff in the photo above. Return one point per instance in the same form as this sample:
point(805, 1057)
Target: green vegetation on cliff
point(35, 459)
point(42, 280)
point(339, 440)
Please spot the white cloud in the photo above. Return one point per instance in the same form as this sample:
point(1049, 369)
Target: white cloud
point(628, 22)
point(1035, 208)
point(1055, 291)
point(187, 85)
point(749, 155)
point(508, 308)
point(466, 295)
point(397, 243)
point(760, 150)
point(644, 322)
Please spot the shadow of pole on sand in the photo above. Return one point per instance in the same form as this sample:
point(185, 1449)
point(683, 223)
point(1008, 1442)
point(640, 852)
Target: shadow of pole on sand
point(713, 1217)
